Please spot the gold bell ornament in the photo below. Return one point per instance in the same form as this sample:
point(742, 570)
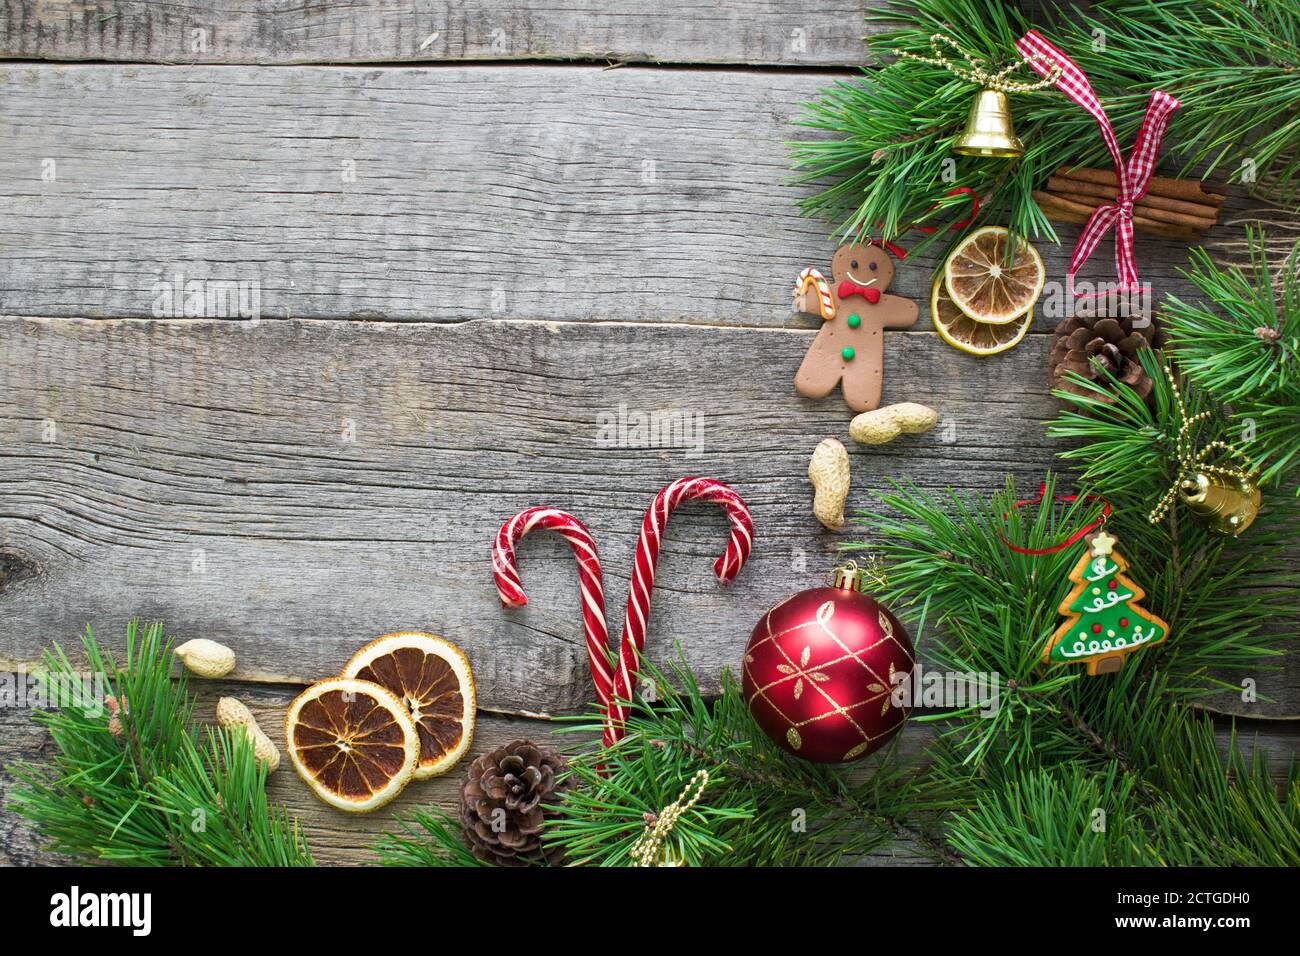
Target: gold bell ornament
point(1227, 498)
point(1228, 501)
point(989, 131)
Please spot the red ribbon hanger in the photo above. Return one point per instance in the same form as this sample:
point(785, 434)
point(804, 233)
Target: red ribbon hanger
point(1072, 539)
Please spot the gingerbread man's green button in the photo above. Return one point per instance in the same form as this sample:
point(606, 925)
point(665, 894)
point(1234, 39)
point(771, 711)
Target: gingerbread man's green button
point(854, 321)
point(848, 353)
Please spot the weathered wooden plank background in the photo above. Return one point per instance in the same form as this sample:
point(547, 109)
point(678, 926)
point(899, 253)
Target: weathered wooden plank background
point(462, 266)
point(217, 475)
point(780, 32)
point(565, 193)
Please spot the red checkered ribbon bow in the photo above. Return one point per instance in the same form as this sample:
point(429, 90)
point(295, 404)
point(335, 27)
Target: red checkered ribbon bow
point(1133, 176)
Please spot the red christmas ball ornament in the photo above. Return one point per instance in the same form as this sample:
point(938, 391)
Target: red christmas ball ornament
point(820, 669)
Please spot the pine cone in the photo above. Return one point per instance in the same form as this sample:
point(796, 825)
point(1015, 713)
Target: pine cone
point(1095, 345)
point(501, 803)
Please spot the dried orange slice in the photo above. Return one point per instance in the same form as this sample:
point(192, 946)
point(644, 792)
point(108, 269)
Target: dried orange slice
point(961, 331)
point(433, 680)
point(987, 284)
point(352, 742)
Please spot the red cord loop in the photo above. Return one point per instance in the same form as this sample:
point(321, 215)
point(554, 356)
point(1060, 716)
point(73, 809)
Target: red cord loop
point(1078, 535)
point(900, 254)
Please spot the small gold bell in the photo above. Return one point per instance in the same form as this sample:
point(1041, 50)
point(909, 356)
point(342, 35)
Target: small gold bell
point(988, 129)
point(1229, 505)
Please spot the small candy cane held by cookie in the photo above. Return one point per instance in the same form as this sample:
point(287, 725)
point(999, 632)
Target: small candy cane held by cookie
point(811, 278)
point(643, 576)
point(506, 573)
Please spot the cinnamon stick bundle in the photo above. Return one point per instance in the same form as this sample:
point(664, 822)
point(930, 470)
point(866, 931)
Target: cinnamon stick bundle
point(1188, 190)
point(1059, 184)
point(1173, 208)
point(1066, 210)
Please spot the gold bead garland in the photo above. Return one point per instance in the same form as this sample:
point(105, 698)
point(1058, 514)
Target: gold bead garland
point(976, 70)
point(1190, 460)
point(648, 845)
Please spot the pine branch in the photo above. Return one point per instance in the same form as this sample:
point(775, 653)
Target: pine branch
point(1241, 344)
point(1166, 798)
point(886, 163)
point(427, 837)
point(1234, 65)
point(1229, 595)
point(1059, 748)
point(1200, 808)
point(1061, 745)
point(761, 806)
point(144, 786)
point(841, 799)
point(1051, 818)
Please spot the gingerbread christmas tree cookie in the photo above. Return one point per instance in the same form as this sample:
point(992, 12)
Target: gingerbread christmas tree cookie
point(1104, 622)
point(849, 350)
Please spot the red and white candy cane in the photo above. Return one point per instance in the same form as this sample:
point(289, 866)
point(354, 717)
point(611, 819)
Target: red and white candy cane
point(592, 586)
point(643, 576)
point(811, 278)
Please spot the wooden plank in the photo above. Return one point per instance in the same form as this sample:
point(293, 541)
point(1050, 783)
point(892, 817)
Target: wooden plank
point(801, 32)
point(558, 193)
point(294, 489)
point(338, 838)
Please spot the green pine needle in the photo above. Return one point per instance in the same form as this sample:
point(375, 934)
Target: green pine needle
point(1062, 746)
point(761, 806)
point(427, 837)
point(1241, 343)
point(162, 792)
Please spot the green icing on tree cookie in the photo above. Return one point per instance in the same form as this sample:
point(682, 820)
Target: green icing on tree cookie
point(1105, 621)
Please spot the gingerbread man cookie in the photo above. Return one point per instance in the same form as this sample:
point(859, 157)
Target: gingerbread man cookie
point(849, 350)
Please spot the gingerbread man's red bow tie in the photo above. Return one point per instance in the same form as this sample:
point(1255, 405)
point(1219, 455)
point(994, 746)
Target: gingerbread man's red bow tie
point(848, 288)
